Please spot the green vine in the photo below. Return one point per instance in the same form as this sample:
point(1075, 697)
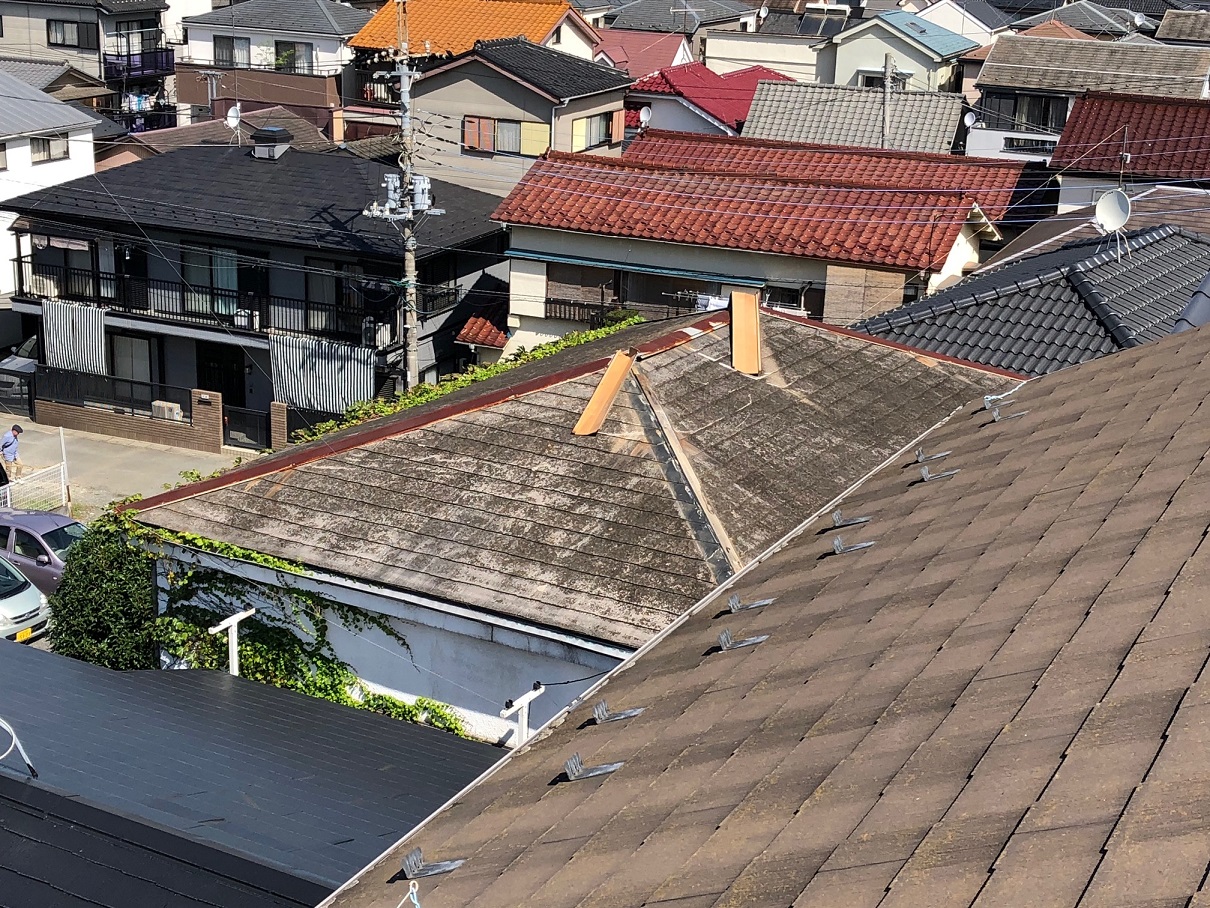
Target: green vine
point(364, 411)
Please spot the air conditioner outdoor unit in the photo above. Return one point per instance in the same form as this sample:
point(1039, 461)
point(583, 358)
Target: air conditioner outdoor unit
point(166, 409)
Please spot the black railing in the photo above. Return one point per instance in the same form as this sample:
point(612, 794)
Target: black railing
point(243, 428)
point(431, 300)
point(210, 306)
point(145, 120)
point(368, 90)
point(596, 314)
point(139, 64)
point(153, 400)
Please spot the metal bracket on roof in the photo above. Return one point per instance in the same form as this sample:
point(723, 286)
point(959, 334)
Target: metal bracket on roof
point(576, 770)
point(997, 416)
point(414, 867)
point(601, 713)
point(927, 476)
point(735, 604)
point(921, 457)
point(726, 642)
point(990, 400)
point(839, 548)
point(839, 520)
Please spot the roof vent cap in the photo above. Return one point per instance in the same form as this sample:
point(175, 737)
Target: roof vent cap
point(270, 142)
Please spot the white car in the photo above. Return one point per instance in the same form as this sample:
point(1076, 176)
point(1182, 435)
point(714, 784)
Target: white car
point(24, 612)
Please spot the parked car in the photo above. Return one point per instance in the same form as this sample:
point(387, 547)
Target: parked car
point(24, 611)
point(37, 542)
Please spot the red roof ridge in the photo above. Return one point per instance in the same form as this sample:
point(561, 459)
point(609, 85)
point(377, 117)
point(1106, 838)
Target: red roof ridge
point(1146, 100)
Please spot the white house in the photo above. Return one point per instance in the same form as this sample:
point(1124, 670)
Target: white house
point(925, 55)
point(977, 20)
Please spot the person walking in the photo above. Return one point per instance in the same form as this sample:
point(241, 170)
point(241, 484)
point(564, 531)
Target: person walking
point(8, 448)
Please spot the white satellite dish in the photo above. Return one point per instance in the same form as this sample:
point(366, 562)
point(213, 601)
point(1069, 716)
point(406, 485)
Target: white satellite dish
point(1113, 211)
point(645, 115)
point(970, 119)
point(1139, 20)
point(764, 12)
point(232, 118)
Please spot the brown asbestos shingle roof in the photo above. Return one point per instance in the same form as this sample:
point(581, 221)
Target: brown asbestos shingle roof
point(1001, 703)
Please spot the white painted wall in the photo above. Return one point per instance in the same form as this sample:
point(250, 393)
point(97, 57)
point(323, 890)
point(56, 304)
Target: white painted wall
point(170, 18)
point(574, 39)
point(866, 52)
point(1078, 192)
point(989, 143)
point(790, 55)
point(331, 54)
point(950, 15)
point(24, 176)
point(670, 112)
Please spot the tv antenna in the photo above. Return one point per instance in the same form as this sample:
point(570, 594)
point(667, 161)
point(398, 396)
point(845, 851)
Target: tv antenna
point(1112, 214)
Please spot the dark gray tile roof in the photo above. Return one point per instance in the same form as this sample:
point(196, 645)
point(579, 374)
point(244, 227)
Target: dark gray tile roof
point(306, 136)
point(1047, 312)
point(103, 127)
point(1185, 25)
point(1071, 67)
point(25, 110)
point(35, 73)
point(500, 507)
point(56, 852)
point(1002, 702)
point(557, 74)
point(847, 115)
point(306, 199)
point(987, 13)
point(675, 16)
point(1153, 8)
point(314, 17)
point(278, 778)
point(1091, 18)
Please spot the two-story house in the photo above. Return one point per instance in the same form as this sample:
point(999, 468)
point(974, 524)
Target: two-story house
point(246, 276)
point(119, 41)
point(924, 55)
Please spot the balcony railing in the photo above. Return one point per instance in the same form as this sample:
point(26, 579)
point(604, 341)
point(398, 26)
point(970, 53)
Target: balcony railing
point(222, 309)
point(595, 314)
point(139, 64)
point(145, 120)
point(153, 400)
point(432, 300)
point(382, 91)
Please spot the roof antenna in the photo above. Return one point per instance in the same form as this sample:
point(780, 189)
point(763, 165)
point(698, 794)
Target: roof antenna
point(16, 742)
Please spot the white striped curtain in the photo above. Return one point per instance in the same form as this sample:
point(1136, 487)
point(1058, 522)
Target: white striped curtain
point(320, 375)
point(73, 336)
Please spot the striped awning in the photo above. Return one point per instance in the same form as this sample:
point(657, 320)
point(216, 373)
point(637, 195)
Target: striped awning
point(315, 374)
point(73, 336)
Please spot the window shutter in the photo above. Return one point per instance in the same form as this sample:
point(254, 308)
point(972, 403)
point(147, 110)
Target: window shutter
point(487, 134)
point(618, 130)
point(470, 133)
point(535, 139)
point(89, 36)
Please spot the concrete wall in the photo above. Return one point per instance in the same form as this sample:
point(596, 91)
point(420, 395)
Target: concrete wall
point(178, 10)
point(864, 53)
point(989, 143)
point(205, 434)
point(791, 55)
point(1077, 192)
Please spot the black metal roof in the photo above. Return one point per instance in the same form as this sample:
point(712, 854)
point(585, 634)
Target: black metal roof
point(557, 74)
point(312, 200)
point(1040, 314)
point(286, 781)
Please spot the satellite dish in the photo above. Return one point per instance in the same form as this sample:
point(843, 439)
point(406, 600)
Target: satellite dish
point(645, 115)
point(232, 118)
point(1139, 20)
point(764, 12)
point(970, 119)
point(1113, 211)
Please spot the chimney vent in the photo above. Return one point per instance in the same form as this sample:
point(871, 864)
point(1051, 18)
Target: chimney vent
point(745, 332)
point(270, 142)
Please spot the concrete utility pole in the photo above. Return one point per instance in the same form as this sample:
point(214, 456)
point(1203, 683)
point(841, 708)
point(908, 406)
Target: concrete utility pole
point(888, 73)
point(405, 197)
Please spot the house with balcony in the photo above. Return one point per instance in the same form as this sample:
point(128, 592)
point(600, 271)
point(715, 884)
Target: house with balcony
point(247, 277)
point(266, 53)
point(1029, 84)
point(118, 41)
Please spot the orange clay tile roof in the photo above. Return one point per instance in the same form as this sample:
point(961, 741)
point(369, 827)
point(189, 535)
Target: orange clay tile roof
point(755, 213)
point(1050, 29)
point(486, 327)
point(453, 26)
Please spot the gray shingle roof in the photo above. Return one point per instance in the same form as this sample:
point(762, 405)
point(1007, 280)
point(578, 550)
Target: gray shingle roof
point(1185, 25)
point(103, 127)
point(1091, 18)
point(846, 115)
point(313, 17)
point(306, 136)
point(26, 111)
point(675, 16)
point(557, 74)
point(1001, 703)
point(1051, 311)
point(1153, 8)
point(990, 15)
point(1071, 67)
point(35, 73)
point(593, 535)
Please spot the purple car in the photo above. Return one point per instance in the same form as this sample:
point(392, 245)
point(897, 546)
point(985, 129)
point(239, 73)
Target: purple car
point(37, 542)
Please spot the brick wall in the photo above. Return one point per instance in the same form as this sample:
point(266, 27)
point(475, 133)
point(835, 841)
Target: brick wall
point(206, 433)
point(279, 430)
point(856, 293)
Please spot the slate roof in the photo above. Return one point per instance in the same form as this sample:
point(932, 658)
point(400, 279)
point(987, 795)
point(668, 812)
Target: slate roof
point(990, 15)
point(216, 132)
point(941, 41)
point(1153, 8)
point(552, 72)
point(639, 53)
point(1050, 311)
point(591, 194)
point(1002, 701)
point(486, 328)
point(26, 111)
point(1090, 18)
point(1072, 67)
point(1185, 25)
point(989, 182)
point(726, 98)
point(1051, 29)
point(103, 127)
point(1164, 136)
point(683, 17)
point(848, 115)
point(492, 503)
point(277, 778)
point(312, 17)
point(310, 200)
point(453, 26)
point(58, 853)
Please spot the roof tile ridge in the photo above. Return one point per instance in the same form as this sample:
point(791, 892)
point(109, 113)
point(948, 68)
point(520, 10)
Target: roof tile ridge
point(322, 5)
point(1095, 300)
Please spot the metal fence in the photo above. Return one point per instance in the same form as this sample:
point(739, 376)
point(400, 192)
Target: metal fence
point(119, 395)
point(244, 428)
point(38, 490)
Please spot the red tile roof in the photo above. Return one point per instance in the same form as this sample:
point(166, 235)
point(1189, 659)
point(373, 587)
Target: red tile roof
point(1165, 137)
point(639, 53)
point(758, 213)
point(486, 328)
point(726, 98)
point(989, 182)
point(1050, 29)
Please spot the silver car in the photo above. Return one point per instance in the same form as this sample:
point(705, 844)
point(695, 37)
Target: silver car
point(24, 611)
point(37, 542)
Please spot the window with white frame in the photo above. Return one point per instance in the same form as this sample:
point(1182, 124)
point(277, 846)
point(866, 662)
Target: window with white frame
point(232, 52)
point(294, 57)
point(52, 148)
point(599, 129)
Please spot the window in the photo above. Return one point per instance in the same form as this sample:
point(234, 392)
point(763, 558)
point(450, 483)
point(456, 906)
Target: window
point(335, 296)
point(556, 37)
point(1, 26)
point(293, 57)
point(26, 545)
point(137, 36)
point(232, 52)
point(876, 80)
point(212, 281)
point(4, 533)
point(599, 129)
point(743, 26)
point(506, 136)
point(83, 35)
point(51, 149)
point(1026, 113)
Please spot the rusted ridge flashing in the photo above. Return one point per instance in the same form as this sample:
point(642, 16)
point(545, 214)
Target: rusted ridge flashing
point(895, 345)
point(692, 481)
point(380, 429)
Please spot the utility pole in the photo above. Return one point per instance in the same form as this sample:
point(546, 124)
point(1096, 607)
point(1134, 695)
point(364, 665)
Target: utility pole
point(407, 194)
point(888, 73)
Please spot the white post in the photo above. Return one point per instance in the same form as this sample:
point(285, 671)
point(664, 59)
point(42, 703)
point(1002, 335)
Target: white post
point(520, 706)
point(64, 485)
point(231, 626)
